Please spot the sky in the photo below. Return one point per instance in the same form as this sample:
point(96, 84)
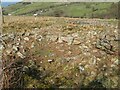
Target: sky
point(11, 0)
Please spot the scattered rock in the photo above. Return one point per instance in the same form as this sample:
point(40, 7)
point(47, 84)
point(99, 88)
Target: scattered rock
point(20, 55)
point(75, 35)
point(15, 48)
point(39, 38)
point(32, 45)
point(69, 39)
point(50, 60)
point(60, 39)
point(26, 39)
point(81, 68)
point(76, 42)
point(54, 38)
point(8, 51)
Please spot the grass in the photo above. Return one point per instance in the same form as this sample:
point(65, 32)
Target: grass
point(62, 9)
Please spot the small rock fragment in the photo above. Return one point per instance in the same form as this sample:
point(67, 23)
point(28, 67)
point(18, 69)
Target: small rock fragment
point(20, 55)
point(81, 68)
point(50, 60)
point(26, 39)
point(76, 42)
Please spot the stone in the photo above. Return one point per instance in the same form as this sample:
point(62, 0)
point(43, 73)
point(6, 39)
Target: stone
point(50, 60)
point(81, 68)
point(32, 64)
point(60, 39)
point(26, 39)
point(32, 45)
point(76, 42)
point(68, 39)
point(54, 38)
point(20, 55)
point(39, 37)
point(69, 52)
point(94, 60)
point(116, 61)
point(68, 59)
point(75, 35)
point(105, 45)
point(51, 54)
point(25, 69)
point(8, 51)
point(15, 48)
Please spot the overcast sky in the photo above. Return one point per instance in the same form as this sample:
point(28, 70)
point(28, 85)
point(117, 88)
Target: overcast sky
point(11, 0)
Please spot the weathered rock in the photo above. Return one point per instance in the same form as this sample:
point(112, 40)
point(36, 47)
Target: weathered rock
point(51, 60)
point(76, 41)
point(15, 48)
point(60, 39)
point(53, 38)
point(20, 55)
point(69, 39)
point(75, 35)
point(32, 45)
point(39, 38)
point(8, 51)
point(81, 68)
point(104, 45)
point(26, 39)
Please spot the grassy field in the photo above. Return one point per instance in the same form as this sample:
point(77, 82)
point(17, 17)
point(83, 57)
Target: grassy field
point(89, 10)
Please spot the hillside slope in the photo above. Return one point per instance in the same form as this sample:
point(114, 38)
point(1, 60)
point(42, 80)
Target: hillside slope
point(88, 10)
